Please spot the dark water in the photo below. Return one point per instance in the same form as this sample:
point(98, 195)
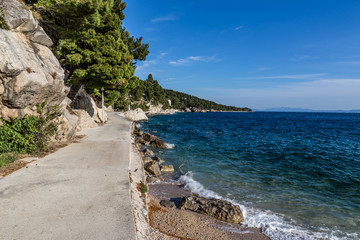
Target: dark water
point(296, 175)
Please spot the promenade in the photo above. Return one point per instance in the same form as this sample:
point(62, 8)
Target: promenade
point(79, 192)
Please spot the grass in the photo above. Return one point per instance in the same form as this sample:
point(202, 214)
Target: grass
point(7, 158)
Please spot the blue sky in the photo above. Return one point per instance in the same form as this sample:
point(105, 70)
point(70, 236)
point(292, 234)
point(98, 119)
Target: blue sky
point(254, 53)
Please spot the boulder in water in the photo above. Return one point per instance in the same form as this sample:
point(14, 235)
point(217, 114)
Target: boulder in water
point(167, 168)
point(218, 209)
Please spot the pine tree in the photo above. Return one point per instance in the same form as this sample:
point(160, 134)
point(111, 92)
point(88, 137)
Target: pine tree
point(91, 43)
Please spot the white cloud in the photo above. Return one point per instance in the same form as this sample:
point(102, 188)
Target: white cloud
point(144, 69)
point(239, 27)
point(169, 17)
point(192, 59)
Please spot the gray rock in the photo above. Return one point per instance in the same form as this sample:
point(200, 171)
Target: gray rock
point(153, 168)
point(137, 131)
point(167, 168)
point(136, 115)
point(86, 102)
point(167, 203)
point(15, 14)
point(29, 74)
point(84, 121)
point(148, 152)
point(218, 209)
point(153, 141)
point(21, 20)
point(147, 160)
point(39, 36)
point(153, 179)
point(66, 124)
point(157, 159)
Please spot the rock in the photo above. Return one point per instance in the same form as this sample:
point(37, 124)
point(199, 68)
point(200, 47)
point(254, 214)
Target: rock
point(109, 109)
point(167, 203)
point(136, 115)
point(157, 159)
point(153, 141)
point(158, 109)
point(137, 131)
point(147, 160)
point(158, 143)
point(15, 14)
point(153, 179)
point(30, 74)
point(153, 168)
point(84, 120)
point(187, 110)
point(148, 152)
point(66, 124)
point(21, 20)
point(218, 209)
point(39, 36)
point(195, 109)
point(171, 111)
point(155, 109)
point(84, 101)
point(167, 168)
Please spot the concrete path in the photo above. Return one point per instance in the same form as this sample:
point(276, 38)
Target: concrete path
point(79, 192)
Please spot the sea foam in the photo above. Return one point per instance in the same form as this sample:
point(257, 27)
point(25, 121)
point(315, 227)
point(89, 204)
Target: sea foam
point(170, 145)
point(271, 224)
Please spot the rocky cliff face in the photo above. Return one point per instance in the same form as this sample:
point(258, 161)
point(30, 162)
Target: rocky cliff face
point(29, 72)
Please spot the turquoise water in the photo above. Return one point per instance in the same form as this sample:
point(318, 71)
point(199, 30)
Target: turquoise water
point(295, 175)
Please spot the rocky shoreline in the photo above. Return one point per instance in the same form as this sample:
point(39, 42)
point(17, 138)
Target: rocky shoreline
point(164, 209)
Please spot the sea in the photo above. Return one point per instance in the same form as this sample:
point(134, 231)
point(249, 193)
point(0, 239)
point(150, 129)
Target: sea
point(294, 175)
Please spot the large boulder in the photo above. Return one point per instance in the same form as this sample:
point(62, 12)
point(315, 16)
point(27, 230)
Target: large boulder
point(29, 74)
point(167, 168)
point(136, 115)
point(84, 101)
point(218, 209)
point(84, 121)
point(153, 141)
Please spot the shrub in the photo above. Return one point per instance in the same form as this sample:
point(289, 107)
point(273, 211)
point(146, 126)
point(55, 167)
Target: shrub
point(29, 134)
point(143, 187)
point(7, 158)
point(3, 24)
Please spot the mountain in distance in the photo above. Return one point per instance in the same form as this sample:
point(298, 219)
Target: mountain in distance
point(288, 109)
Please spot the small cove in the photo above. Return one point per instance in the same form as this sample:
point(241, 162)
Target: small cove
point(296, 175)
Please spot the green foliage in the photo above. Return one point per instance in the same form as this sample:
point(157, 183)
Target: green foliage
point(150, 91)
point(29, 134)
point(143, 187)
point(3, 24)
point(92, 44)
point(7, 158)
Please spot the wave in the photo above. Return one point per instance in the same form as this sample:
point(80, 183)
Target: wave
point(170, 145)
point(271, 224)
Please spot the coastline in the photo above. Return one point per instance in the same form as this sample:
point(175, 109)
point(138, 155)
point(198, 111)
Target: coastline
point(155, 221)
